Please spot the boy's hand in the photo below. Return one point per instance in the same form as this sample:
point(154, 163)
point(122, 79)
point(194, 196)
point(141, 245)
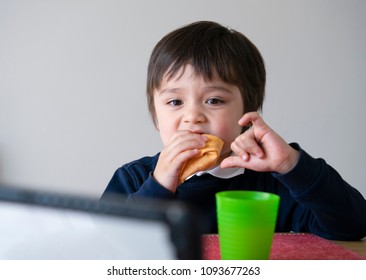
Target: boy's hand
point(260, 148)
point(183, 146)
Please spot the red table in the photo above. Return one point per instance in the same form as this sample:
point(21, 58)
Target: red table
point(290, 246)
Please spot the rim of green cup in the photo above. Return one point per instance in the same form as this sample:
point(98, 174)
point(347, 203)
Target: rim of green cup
point(236, 195)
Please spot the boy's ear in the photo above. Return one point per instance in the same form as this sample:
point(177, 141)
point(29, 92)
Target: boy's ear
point(156, 123)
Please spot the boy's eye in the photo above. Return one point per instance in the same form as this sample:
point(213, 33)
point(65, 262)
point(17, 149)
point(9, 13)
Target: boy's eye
point(214, 101)
point(175, 102)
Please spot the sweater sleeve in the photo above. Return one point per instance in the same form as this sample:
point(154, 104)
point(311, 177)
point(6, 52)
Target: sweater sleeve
point(151, 189)
point(332, 208)
point(135, 185)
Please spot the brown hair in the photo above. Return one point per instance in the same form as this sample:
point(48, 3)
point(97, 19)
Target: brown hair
point(210, 48)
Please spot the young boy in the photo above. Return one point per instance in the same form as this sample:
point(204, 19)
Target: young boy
point(206, 79)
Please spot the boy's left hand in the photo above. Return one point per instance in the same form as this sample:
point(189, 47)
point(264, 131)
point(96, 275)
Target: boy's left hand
point(260, 148)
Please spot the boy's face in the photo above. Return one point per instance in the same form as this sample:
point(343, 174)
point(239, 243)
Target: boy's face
point(188, 102)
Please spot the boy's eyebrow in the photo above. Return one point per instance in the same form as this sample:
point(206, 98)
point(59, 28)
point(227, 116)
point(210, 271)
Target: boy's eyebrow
point(166, 90)
point(218, 87)
point(206, 89)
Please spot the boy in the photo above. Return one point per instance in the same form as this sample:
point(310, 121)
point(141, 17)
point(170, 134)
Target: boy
point(206, 79)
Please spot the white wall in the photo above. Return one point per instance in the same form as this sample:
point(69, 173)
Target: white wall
point(72, 82)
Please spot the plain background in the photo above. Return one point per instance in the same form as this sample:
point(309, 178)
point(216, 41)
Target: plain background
point(72, 82)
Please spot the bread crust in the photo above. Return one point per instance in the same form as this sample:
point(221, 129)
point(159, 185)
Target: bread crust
point(205, 159)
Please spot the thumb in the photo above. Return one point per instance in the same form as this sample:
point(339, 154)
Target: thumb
point(232, 161)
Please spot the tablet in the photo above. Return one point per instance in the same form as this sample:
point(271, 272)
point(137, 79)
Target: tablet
point(44, 225)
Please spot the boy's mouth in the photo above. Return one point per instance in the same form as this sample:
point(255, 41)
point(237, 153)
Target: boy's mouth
point(198, 132)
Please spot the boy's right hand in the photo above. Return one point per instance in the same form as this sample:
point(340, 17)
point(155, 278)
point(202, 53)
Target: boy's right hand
point(182, 146)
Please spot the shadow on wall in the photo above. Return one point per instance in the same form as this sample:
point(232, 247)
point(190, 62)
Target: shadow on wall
point(1, 170)
point(1, 167)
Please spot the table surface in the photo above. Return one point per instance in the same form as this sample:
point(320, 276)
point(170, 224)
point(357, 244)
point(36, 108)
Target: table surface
point(355, 246)
point(297, 246)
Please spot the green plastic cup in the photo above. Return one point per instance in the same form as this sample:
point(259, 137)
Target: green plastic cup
point(246, 224)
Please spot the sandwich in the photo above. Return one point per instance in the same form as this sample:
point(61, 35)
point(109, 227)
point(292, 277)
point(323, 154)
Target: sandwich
point(206, 158)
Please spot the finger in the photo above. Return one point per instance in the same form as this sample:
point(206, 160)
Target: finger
point(252, 119)
point(185, 141)
point(252, 163)
point(184, 135)
point(233, 161)
point(258, 127)
point(246, 145)
point(181, 158)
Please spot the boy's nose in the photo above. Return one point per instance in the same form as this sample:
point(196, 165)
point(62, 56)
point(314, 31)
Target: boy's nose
point(194, 114)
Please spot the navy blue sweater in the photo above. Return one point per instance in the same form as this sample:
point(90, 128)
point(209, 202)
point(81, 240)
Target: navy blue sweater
point(314, 197)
